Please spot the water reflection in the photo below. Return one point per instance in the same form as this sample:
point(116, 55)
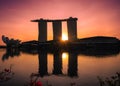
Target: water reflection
point(72, 65)
point(58, 54)
point(42, 58)
point(100, 52)
point(10, 53)
point(58, 57)
point(57, 64)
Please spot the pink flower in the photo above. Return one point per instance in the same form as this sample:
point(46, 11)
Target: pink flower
point(38, 83)
point(6, 70)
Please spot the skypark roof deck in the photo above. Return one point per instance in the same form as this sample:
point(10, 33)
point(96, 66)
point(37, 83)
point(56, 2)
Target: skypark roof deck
point(49, 20)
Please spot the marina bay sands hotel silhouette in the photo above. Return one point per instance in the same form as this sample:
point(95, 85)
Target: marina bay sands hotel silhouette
point(57, 28)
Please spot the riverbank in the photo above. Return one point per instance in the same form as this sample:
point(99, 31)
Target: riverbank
point(97, 42)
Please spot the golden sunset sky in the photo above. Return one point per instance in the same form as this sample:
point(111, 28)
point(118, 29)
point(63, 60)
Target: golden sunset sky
point(95, 17)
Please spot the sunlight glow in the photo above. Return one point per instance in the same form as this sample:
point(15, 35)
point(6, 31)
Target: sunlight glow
point(64, 55)
point(64, 37)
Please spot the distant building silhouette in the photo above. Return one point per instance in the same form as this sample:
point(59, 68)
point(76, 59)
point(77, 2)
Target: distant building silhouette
point(57, 29)
point(10, 42)
point(42, 36)
point(72, 28)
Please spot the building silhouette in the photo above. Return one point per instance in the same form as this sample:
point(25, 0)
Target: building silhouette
point(42, 32)
point(72, 28)
point(57, 29)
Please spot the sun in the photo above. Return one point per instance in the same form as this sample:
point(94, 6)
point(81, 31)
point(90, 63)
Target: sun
point(64, 55)
point(64, 37)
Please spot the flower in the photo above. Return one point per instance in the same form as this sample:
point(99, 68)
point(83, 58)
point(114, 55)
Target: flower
point(6, 70)
point(38, 83)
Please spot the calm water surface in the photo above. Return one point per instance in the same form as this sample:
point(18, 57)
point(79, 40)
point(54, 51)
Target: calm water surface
point(58, 69)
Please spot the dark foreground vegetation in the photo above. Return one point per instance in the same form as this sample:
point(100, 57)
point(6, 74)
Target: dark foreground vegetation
point(110, 81)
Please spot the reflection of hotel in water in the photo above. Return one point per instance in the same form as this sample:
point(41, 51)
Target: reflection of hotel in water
point(57, 64)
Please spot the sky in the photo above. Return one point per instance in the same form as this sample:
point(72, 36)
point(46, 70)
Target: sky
point(95, 17)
